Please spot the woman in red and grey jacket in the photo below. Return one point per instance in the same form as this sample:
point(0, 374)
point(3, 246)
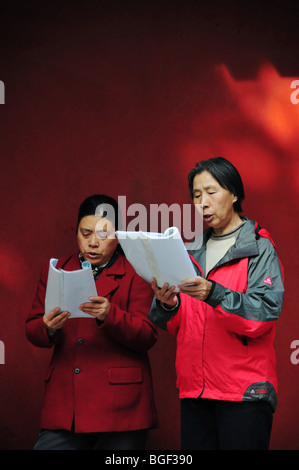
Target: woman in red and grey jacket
point(225, 321)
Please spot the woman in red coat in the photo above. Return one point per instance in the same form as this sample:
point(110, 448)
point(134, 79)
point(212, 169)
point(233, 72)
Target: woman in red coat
point(98, 390)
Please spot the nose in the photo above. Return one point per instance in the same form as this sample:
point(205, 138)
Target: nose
point(199, 208)
point(204, 200)
point(93, 240)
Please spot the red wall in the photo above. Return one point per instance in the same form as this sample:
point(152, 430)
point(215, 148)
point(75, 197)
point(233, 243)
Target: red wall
point(123, 98)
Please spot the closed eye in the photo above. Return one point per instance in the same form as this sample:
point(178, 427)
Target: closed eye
point(85, 233)
point(102, 235)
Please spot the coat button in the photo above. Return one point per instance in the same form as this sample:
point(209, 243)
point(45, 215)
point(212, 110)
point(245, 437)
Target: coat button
point(80, 341)
point(77, 370)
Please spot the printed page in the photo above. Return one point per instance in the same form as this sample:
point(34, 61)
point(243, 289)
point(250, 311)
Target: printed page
point(53, 292)
point(162, 256)
point(78, 287)
point(68, 289)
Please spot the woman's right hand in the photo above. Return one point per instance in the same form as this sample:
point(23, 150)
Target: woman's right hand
point(166, 294)
point(54, 320)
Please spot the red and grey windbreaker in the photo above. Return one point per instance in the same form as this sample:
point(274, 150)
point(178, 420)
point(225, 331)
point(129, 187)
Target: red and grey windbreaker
point(225, 344)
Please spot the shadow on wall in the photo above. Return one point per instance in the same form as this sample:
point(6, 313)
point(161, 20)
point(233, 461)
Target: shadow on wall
point(256, 121)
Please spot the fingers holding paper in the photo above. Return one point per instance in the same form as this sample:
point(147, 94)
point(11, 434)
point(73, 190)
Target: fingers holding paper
point(166, 294)
point(98, 307)
point(55, 319)
point(198, 288)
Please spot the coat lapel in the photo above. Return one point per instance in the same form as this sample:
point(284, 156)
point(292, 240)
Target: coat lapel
point(108, 281)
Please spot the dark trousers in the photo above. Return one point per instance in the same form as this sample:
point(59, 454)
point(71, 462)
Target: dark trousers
point(69, 440)
point(223, 425)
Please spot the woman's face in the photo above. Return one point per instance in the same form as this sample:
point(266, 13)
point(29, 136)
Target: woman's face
point(216, 203)
point(96, 239)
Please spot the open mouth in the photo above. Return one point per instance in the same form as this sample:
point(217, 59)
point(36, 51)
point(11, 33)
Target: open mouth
point(208, 218)
point(93, 255)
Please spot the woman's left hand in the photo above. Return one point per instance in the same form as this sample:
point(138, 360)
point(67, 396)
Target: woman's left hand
point(98, 307)
point(197, 287)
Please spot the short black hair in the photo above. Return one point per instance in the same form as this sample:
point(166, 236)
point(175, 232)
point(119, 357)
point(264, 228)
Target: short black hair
point(100, 204)
point(225, 174)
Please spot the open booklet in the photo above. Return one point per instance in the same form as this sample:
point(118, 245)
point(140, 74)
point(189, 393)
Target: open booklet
point(162, 256)
point(69, 289)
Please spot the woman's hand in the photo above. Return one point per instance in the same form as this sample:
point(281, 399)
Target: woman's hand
point(54, 320)
point(197, 287)
point(166, 295)
point(98, 307)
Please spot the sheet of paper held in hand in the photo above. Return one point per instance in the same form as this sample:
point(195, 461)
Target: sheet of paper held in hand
point(69, 289)
point(162, 256)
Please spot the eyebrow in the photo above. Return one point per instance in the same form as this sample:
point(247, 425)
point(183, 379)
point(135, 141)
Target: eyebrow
point(103, 229)
point(210, 186)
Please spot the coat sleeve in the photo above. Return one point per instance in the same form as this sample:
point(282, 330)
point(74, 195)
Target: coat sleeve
point(131, 327)
point(34, 326)
point(252, 313)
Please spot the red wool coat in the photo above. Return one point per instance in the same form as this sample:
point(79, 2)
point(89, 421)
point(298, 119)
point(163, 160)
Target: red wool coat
point(99, 376)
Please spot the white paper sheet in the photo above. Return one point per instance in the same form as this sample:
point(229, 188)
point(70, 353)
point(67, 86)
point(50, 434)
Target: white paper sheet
point(69, 289)
point(159, 255)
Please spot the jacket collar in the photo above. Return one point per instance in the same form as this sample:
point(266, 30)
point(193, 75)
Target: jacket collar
point(246, 242)
point(244, 246)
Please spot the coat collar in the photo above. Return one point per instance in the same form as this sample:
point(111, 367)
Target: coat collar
point(109, 278)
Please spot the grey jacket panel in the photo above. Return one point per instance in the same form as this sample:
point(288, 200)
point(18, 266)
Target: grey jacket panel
point(265, 291)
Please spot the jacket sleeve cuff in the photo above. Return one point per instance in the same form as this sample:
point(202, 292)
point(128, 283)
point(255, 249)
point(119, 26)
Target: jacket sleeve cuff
point(216, 294)
point(160, 314)
point(167, 309)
